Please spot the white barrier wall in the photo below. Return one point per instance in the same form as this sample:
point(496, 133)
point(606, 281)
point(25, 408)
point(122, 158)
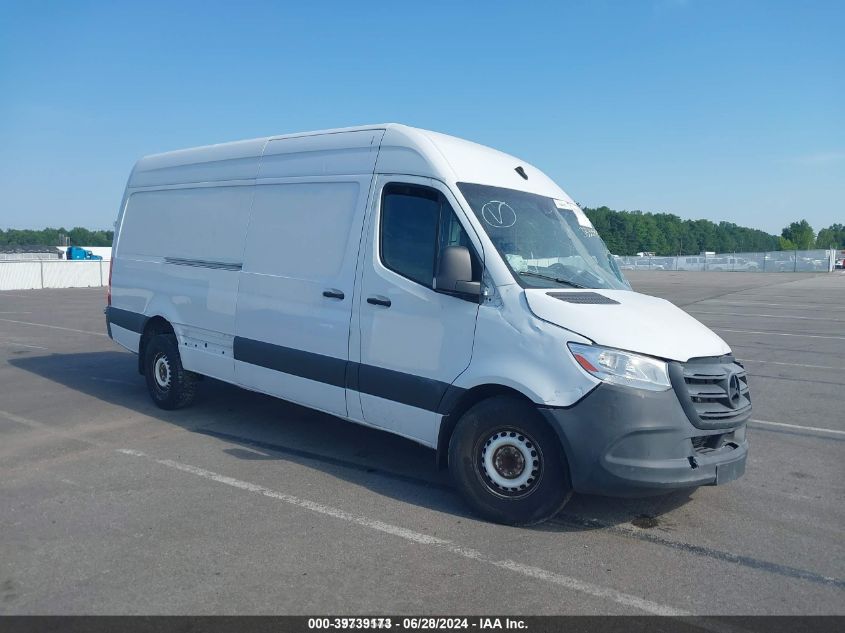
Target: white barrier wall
point(23, 275)
point(71, 274)
point(18, 275)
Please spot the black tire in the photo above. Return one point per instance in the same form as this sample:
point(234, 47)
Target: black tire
point(171, 386)
point(491, 445)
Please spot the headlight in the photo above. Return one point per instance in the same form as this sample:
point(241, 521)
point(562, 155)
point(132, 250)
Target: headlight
point(622, 368)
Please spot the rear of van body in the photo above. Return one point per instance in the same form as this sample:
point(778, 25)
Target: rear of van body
point(430, 287)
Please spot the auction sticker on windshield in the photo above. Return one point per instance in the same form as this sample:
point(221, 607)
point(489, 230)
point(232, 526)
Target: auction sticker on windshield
point(583, 220)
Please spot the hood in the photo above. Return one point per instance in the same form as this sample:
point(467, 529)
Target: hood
point(627, 320)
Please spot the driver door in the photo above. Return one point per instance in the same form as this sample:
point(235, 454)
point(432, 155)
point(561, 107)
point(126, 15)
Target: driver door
point(414, 341)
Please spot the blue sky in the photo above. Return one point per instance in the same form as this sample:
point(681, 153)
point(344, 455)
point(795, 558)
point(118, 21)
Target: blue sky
point(722, 110)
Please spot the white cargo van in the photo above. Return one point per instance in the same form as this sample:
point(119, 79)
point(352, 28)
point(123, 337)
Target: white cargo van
point(431, 287)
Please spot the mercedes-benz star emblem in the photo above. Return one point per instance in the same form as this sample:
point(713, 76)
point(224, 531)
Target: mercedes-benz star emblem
point(498, 214)
point(734, 391)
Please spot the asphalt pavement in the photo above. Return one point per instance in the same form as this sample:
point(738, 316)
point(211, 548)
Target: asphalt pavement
point(247, 504)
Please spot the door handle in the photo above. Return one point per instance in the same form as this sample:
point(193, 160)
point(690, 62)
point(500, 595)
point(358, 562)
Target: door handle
point(333, 293)
point(378, 300)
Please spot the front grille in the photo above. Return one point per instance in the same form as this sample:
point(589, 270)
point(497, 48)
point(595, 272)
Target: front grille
point(714, 391)
point(700, 442)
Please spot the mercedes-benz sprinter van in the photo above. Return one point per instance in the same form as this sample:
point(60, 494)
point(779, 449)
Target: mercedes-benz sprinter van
point(430, 287)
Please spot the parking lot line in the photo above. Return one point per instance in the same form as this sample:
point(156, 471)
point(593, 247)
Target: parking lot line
point(769, 316)
point(722, 329)
point(700, 550)
point(9, 342)
point(798, 426)
point(774, 362)
point(115, 381)
point(597, 591)
point(792, 306)
point(55, 327)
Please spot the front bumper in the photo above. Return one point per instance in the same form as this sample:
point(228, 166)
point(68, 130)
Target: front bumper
point(630, 442)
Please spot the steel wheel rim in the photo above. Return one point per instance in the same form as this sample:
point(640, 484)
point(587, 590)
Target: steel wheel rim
point(510, 463)
point(161, 372)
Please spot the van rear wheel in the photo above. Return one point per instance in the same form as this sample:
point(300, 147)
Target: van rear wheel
point(171, 386)
point(508, 464)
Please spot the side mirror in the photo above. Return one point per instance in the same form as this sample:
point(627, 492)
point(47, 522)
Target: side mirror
point(454, 273)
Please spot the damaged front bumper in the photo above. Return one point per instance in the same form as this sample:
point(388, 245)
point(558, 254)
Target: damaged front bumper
point(630, 442)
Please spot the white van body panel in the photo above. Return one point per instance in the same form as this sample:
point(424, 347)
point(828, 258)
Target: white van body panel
point(639, 323)
point(540, 366)
point(125, 338)
point(341, 153)
point(304, 235)
point(303, 241)
point(212, 163)
point(178, 257)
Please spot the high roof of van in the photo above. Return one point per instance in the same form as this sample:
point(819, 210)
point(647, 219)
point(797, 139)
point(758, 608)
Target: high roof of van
point(389, 148)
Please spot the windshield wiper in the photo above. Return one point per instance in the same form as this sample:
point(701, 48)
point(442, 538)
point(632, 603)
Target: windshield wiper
point(572, 284)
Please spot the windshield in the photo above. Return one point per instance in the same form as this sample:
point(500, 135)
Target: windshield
point(547, 243)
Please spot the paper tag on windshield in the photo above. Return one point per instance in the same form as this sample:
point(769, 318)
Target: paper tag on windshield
point(583, 220)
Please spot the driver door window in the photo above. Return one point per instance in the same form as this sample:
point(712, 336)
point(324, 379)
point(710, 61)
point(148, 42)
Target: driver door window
point(416, 224)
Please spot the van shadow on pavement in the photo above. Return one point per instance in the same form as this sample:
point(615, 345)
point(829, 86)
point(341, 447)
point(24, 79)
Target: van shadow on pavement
point(255, 427)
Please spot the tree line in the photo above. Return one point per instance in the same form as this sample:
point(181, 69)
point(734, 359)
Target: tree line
point(53, 237)
point(631, 232)
point(624, 232)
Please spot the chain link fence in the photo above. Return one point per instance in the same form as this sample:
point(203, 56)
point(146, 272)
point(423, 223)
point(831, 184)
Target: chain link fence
point(818, 261)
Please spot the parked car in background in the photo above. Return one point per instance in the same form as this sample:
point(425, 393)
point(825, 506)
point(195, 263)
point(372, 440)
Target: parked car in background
point(779, 264)
point(646, 263)
point(731, 264)
point(695, 262)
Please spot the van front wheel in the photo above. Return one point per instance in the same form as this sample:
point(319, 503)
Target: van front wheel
point(508, 464)
point(171, 386)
